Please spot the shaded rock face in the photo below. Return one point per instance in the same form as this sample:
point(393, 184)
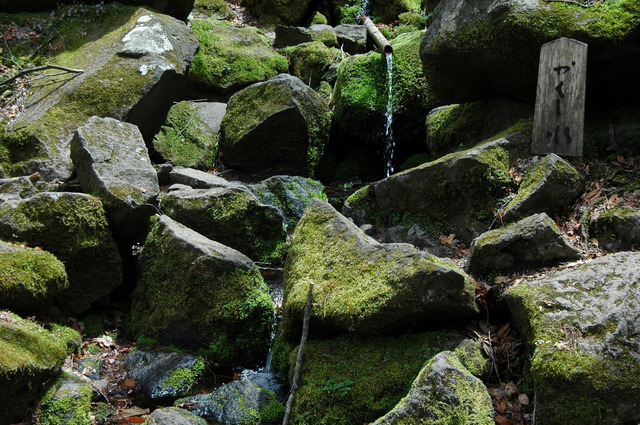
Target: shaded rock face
point(189, 136)
point(197, 179)
point(133, 70)
point(367, 286)
point(352, 38)
point(231, 58)
point(535, 240)
point(581, 327)
point(112, 162)
point(199, 294)
point(231, 216)
point(504, 38)
point(163, 374)
point(444, 390)
point(30, 356)
point(618, 228)
point(551, 186)
point(446, 190)
point(30, 279)
point(174, 416)
point(17, 187)
point(74, 228)
point(280, 126)
point(237, 402)
point(274, 12)
point(292, 36)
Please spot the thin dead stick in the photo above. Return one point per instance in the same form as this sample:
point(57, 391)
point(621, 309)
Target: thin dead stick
point(303, 343)
point(37, 69)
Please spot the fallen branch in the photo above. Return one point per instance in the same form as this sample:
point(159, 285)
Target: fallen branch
point(303, 343)
point(38, 69)
point(588, 3)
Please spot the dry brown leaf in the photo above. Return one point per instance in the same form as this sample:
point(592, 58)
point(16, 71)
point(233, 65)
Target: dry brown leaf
point(592, 194)
point(501, 420)
point(500, 405)
point(523, 399)
point(131, 411)
point(447, 240)
point(500, 279)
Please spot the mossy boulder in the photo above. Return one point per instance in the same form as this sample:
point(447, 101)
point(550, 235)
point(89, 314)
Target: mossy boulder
point(364, 286)
point(580, 327)
point(503, 41)
point(232, 216)
point(201, 295)
point(280, 125)
point(217, 9)
point(164, 373)
point(20, 187)
point(67, 402)
point(352, 38)
point(189, 136)
point(551, 185)
point(232, 57)
point(452, 126)
point(174, 416)
point(30, 279)
point(388, 11)
point(311, 61)
point(135, 65)
point(112, 162)
point(197, 179)
point(355, 379)
point(30, 357)
point(532, 241)
point(74, 228)
point(361, 94)
point(290, 195)
point(237, 402)
point(287, 36)
point(460, 190)
point(617, 229)
point(443, 392)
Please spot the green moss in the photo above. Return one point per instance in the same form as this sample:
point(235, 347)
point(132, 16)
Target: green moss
point(182, 378)
point(185, 140)
point(68, 336)
point(309, 61)
point(414, 161)
point(382, 369)
point(216, 8)
point(29, 279)
point(230, 56)
point(318, 18)
point(66, 405)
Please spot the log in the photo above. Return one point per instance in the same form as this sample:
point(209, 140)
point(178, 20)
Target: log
point(378, 39)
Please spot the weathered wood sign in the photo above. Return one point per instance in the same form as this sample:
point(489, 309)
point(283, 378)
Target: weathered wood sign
point(558, 124)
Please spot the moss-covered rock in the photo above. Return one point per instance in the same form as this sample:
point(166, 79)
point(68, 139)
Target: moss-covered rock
point(21, 187)
point(174, 416)
point(280, 125)
point(462, 190)
point(232, 57)
point(189, 136)
point(311, 61)
point(617, 229)
point(232, 216)
point(290, 195)
point(134, 63)
point(30, 279)
point(30, 357)
point(580, 326)
point(532, 241)
point(464, 125)
point(67, 402)
point(551, 185)
point(199, 294)
point(504, 42)
point(364, 286)
point(217, 9)
point(74, 228)
point(388, 11)
point(354, 379)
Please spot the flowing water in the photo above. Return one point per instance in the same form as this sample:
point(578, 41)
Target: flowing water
point(389, 143)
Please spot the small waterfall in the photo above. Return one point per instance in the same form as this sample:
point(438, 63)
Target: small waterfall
point(389, 143)
point(365, 8)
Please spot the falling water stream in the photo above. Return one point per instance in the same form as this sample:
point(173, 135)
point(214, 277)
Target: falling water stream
point(389, 143)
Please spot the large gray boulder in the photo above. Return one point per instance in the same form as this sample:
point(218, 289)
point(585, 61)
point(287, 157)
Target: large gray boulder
point(31, 358)
point(460, 190)
point(69, 398)
point(551, 185)
point(236, 403)
point(137, 70)
point(17, 187)
point(189, 136)
point(232, 216)
point(532, 241)
point(199, 294)
point(444, 391)
point(174, 416)
point(365, 286)
point(476, 49)
point(581, 329)
point(352, 38)
point(112, 162)
point(74, 228)
point(280, 125)
point(163, 373)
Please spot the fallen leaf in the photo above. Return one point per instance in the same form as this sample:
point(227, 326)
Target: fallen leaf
point(501, 420)
point(447, 240)
point(500, 279)
point(131, 411)
point(523, 399)
point(500, 405)
point(592, 194)
point(136, 419)
point(623, 161)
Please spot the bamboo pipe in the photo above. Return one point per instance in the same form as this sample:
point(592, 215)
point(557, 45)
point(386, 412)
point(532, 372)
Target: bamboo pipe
point(377, 37)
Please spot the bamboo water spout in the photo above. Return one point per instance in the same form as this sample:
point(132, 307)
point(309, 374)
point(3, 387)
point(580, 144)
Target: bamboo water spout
point(379, 40)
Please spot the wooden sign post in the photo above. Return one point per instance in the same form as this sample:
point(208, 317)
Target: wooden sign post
point(558, 124)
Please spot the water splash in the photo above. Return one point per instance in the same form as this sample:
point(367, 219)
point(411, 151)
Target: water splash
point(389, 143)
point(365, 8)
